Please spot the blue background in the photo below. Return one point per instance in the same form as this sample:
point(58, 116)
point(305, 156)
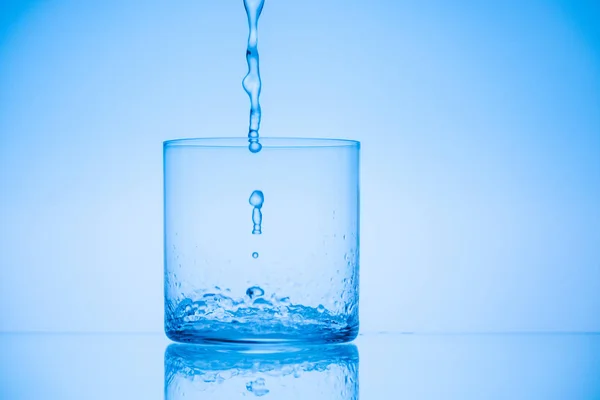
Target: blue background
point(480, 131)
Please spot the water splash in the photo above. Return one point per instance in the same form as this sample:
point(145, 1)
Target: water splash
point(255, 314)
point(256, 200)
point(257, 387)
point(255, 291)
point(252, 82)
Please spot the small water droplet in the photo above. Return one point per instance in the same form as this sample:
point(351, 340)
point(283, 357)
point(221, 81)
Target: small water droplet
point(320, 308)
point(256, 199)
point(254, 291)
point(255, 147)
point(255, 255)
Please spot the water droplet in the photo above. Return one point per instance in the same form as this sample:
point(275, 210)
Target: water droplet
point(255, 255)
point(257, 387)
point(255, 147)
point(254, 291)
point(256, 200)
point(320, 308)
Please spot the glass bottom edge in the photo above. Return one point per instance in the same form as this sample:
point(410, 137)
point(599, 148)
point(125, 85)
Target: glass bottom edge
point(207, 337)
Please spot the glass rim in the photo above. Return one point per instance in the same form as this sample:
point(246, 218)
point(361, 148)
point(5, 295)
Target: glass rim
point(266, 142)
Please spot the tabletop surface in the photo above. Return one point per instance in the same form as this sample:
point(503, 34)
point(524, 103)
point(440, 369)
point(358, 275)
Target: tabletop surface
point(375, 366)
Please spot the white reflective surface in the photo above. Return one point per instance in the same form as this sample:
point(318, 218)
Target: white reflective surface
point(131, 366)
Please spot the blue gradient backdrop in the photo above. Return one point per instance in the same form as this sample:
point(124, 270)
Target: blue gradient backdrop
point(480, 125)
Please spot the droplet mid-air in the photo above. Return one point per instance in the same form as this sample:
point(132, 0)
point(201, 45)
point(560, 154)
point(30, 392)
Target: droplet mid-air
point(256, 201)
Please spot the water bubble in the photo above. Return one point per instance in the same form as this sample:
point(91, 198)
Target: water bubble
point(254, 291)
point(257, 387)
point(255, 255)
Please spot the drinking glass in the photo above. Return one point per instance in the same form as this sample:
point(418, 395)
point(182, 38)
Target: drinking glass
point(261, 247)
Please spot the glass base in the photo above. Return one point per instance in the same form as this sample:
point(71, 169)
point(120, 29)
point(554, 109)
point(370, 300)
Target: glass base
point(247, 334)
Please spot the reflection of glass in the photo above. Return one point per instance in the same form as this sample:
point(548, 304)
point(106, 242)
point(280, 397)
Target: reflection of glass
point(261, 247)
point(226, 372)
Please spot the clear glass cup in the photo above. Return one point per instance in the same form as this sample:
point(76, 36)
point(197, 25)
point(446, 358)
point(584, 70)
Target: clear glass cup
point(328, 372)
point(261, 247)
